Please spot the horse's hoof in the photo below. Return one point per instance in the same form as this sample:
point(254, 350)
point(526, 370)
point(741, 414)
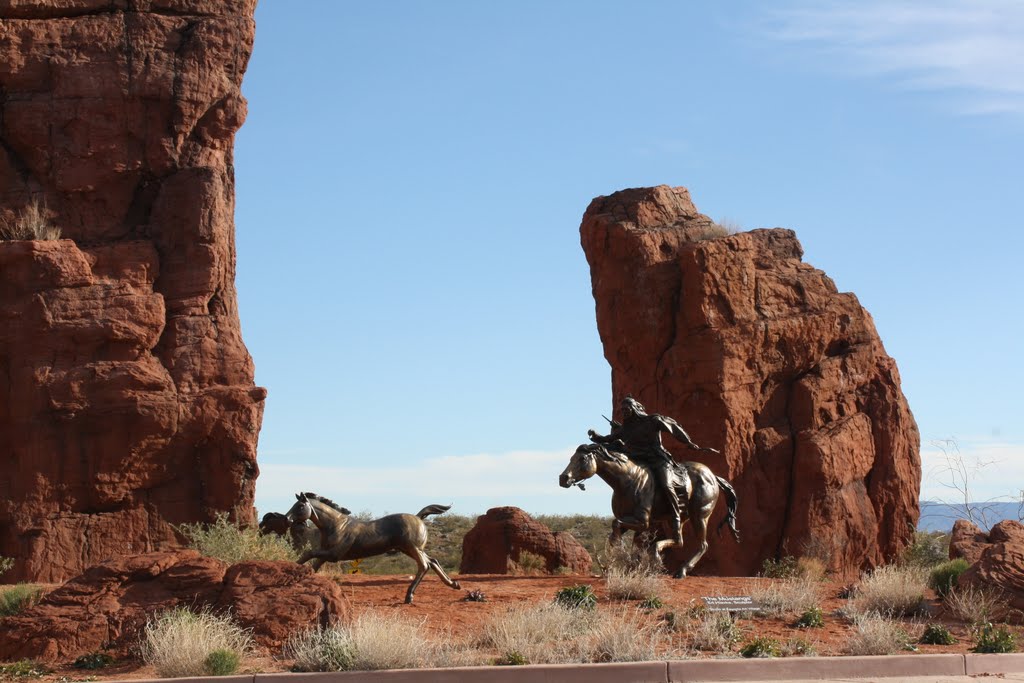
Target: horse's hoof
point(408, 600)
point(681, 574)
point(456, 585)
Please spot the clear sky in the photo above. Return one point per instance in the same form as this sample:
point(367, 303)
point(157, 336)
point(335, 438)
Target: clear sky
point(412, 175)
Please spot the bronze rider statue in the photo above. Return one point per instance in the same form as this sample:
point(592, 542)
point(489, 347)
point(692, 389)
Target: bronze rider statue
point(639, 437)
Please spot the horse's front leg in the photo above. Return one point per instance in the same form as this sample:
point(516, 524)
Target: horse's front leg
point(616, 535)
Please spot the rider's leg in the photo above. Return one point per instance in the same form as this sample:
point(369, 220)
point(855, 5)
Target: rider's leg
point(663, 475)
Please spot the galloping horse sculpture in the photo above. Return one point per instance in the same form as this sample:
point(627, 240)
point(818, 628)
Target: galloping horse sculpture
point(697, 487)
point(343, 537)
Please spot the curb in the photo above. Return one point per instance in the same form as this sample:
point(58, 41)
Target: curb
point(675, 671)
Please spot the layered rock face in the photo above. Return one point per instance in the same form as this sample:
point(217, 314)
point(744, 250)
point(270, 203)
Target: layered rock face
point(997, 560)
point(106, 607)
point(126, 394)
point(497, 541)
point(757, 354)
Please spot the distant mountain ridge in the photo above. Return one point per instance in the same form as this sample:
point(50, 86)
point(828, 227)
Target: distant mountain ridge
point(940, 516)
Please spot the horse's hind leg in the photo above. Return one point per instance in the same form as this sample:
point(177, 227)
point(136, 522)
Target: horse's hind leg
point(422, 565)
point(699, 522)
point(436, 566)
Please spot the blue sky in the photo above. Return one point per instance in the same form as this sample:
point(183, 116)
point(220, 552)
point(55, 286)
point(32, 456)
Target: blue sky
point(411, 178)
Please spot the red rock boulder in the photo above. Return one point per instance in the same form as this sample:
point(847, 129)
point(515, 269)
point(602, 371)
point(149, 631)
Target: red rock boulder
point(758, 355)
point(108, 605)
point(496, 543)
point(967, 541)
point(1000, 565)
point(127, 401)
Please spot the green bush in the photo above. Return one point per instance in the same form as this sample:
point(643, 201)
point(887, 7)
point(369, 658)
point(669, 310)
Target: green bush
point(811, 618)
point(511, 658)
point(221, 662)
point(652, 602)
point(94, 660)
point(943, 578)
point(577, 597)
point(17, 597)
point(782, 568)
point(24, 668)
point(761, 647)
point(930, 548)
point(936, 634)
point(227, 541)
point(6, 563)
point(991, 638)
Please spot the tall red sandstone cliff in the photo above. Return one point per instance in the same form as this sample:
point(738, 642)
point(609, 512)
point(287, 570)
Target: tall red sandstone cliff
point(758, 355)
point(127, 400)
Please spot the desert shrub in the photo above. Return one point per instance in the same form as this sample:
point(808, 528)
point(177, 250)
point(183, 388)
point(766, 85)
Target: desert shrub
point(221, 663)
point(797, 647)
point(25, 668)
point(811, 618)
point(891, 590)
point(943, 577)
point(577, 597)
point(623, 637)
point(991, 638)
point(781, 568)
point(811, 568)
point(789, 596)
point(975, 605)
point(936, 634)
point(761, 646)
point(635, 584)
point(651, 602)
point(930, 548)
point(177, 642)
point(874, 634)
point(230, 543)
point(713, 632)
point(540, 633)
point(527, 564)
point(30, 224)
point(320, 650)
point(16, 597)
point(93, 660)
point(6, 564)
point(475, 596)
point(511, 658)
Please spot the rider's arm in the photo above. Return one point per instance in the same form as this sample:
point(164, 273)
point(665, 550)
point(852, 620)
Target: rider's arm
point(597, 438)
point(672, 427)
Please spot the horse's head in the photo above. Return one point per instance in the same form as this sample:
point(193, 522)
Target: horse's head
point(582, 465)
point(301, 511)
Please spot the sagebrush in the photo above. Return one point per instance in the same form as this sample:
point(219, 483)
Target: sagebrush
point(177, 642)
point(231, 543)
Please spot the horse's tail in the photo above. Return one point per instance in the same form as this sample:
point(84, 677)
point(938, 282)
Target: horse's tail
point(433, 510)
point(731, 500)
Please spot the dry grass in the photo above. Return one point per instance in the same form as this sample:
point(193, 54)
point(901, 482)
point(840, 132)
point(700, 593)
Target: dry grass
point(177, 642)
point(891, 590)
point(627, 636)
point(631, 573)
point(540, 633)
point(786, 596)
point(19, 596)
point(874, 634)
point(976, 605)
point(528, 564)
point(228, 542)
point(712, 632)
point(389, 641)
point(30, 224)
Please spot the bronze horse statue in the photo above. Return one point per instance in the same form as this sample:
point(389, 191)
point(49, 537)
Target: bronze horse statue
point(343, 537)
point(696, 485)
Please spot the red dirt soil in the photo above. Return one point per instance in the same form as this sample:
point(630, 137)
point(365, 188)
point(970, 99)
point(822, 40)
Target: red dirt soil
point(447, 615)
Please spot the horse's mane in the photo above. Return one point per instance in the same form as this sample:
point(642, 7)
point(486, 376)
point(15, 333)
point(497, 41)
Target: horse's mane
point(328, 502)
point(609, 453)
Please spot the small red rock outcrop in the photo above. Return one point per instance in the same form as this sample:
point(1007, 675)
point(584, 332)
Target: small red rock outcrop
point(758, 355)
point(108, 605)
point(1001, 562)
point(967, 541)
point(495, 543)
point(127, 401)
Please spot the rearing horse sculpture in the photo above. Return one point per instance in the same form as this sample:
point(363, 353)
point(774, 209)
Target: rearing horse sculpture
point(343, 537)
point(697, 486)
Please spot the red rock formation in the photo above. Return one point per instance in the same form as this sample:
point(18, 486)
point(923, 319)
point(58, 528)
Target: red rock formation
point(967, 541)
point(126, 394)
point(1000, 565)
point(757, 355)
point(495, 543)
point(107, 606)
